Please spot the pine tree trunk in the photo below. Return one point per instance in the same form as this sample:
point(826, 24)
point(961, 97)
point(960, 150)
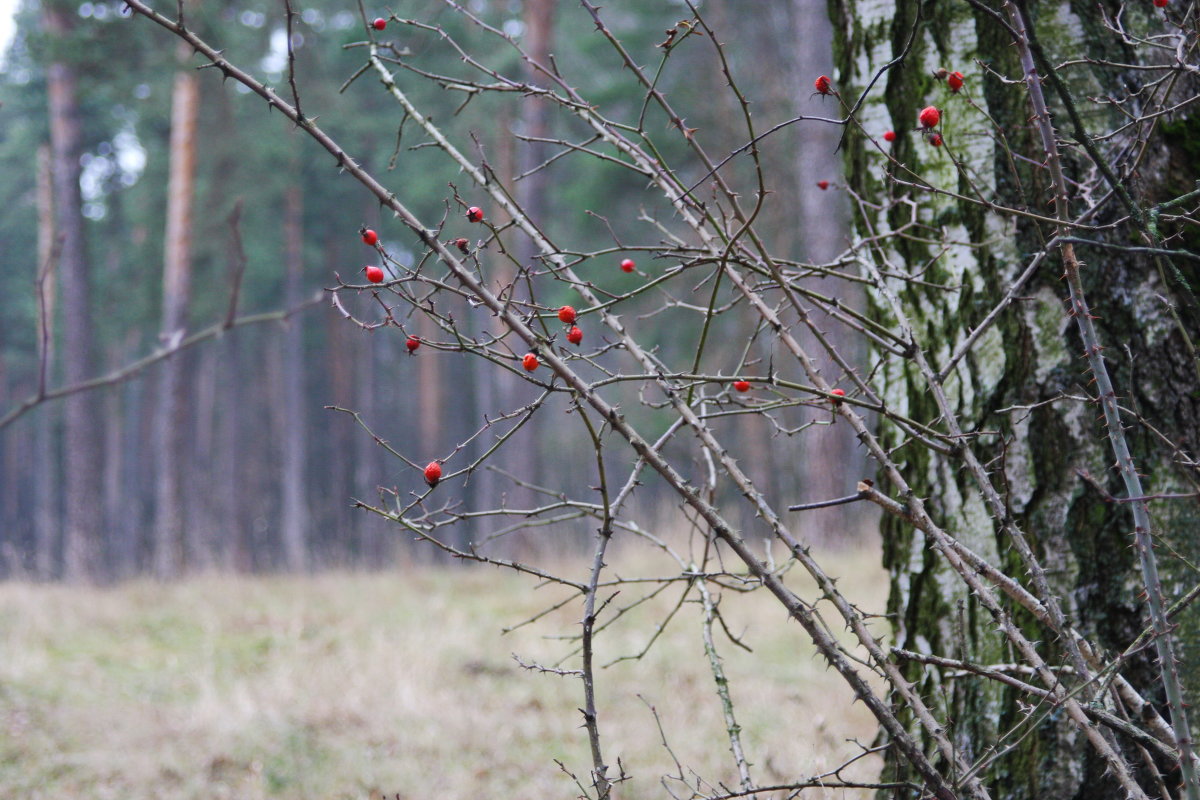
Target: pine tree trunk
point(535, 194)
point(1030, 359)
point(81, 435)
point(231, 462)
point(369, 473)
point(130, 478)
point(340, 368)
point(823, 217)
point(205, 524)
point(294, 517)
point(170, 414)
point(46, 518)
point(538, 39)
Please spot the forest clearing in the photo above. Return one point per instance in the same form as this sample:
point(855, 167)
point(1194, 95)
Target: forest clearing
point(363, 685)
point(814, 393)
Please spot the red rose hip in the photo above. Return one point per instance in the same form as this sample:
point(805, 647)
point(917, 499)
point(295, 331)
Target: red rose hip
point(627, 265)
point(374, 274)
point(955, 81)
point(475, 214)
point(368, 236)
point(566, 314)
point(822, 185)
point(379, 24)
point(890, 136)
point(837, 395)
point(741, 386)
point(433, 473)
point(530, 362)
point(822, 85)
point(412, 344)
point(930, 116)
point(574, 336)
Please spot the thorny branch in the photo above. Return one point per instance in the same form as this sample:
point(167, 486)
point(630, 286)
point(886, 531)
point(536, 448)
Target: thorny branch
point(715, 240)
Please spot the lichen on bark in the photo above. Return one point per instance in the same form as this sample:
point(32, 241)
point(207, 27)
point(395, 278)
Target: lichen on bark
point(1015, 385)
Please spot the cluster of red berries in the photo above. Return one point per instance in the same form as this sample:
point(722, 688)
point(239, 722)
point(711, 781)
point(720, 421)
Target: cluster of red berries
point(931, 116)
point(371, 239)
point(567, 316)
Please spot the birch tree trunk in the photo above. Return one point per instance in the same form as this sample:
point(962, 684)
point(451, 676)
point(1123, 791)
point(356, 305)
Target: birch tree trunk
point(1021, 377)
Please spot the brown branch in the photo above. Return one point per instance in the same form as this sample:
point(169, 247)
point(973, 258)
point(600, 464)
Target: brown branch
point(134, 367)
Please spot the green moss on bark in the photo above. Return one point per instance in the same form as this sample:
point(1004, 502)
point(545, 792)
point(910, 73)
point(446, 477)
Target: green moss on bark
point(1083, 539)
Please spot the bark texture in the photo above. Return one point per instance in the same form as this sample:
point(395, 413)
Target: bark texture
point(81, 435)
point(46, 517)
point(170, 414)
point(1013, 380)
point(294, 517)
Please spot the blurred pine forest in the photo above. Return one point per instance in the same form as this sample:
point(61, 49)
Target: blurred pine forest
point(264, 473)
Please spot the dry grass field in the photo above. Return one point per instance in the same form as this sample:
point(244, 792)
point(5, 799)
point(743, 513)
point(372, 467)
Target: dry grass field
point(399, 683)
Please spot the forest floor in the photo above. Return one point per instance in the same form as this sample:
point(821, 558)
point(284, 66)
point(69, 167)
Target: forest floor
point(362, 685)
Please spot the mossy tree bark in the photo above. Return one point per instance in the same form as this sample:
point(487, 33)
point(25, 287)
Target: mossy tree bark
point(1023, 391)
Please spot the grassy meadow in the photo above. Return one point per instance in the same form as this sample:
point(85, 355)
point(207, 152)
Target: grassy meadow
point(401, 683)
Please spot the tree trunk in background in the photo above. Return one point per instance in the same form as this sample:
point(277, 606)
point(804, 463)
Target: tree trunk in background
point(170, 413)
point(537, 39)
point(368, 456)
point(1032, 356)
point(46, 518)
point(294, 515)
point(117, 532)
point(534, 193)
point(81, 441)
point(801, 221)
point(230, 461)
point(11, 546)
point(206, 527)
point(431, 400)
point(824, 219)
point(341, 359)
point(496, 391)
point(132, 483)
